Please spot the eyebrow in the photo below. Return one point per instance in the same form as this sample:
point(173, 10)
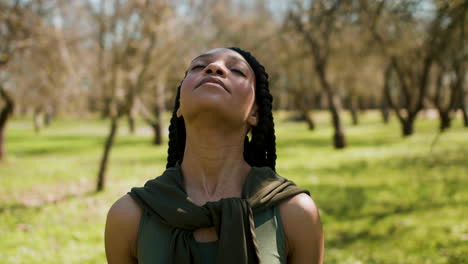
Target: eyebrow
point(231, 57)
point(202, 56)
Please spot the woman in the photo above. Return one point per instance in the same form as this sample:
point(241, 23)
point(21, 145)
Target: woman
point(219, 200)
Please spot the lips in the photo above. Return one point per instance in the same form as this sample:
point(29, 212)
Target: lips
point(210, 79)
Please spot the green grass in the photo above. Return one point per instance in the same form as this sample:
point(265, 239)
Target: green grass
point(384, 199)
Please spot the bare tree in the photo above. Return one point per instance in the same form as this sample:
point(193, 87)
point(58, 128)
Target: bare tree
point(460, 61)
point(294, 63)
point(317, 24)
point(451, 64)
point(6, 111)
point(126, 38)
point(451, 71)
point(20, 25)
point(409, 62)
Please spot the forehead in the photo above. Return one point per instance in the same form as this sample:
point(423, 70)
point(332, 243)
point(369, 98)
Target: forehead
point(221, 53)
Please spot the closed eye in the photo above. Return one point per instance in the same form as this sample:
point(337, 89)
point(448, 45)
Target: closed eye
point(198, 67)
point(238, 72)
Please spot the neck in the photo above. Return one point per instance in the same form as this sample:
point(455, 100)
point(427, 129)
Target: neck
point(213, 164)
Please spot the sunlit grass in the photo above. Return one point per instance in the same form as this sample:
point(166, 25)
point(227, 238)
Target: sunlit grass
point(384, 199)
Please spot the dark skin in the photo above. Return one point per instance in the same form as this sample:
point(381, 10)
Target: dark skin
point(219, 88)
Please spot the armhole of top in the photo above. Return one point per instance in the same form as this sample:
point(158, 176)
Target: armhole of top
point(280, 236)
point(144, 213)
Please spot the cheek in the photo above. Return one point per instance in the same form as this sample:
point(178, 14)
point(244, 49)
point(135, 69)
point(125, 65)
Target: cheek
point(187, 85)
point(247, 91)
point(184, 92)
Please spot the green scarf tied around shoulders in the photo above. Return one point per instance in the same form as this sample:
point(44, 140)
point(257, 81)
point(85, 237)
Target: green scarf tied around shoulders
point(166, 198)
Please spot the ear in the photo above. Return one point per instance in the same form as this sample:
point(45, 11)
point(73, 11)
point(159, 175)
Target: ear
point(178, 113)
point(252, 119)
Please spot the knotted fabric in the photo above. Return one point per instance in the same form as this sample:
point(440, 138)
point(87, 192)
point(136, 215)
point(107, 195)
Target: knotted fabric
point(166, 198)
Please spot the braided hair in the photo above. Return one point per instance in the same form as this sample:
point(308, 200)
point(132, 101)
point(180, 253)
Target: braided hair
point(260, 149)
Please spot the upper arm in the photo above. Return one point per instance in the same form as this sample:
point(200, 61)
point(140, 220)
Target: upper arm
point(303, 230)
point(122, 230)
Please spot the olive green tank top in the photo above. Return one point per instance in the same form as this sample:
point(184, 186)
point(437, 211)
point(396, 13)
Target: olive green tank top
point(154, 240)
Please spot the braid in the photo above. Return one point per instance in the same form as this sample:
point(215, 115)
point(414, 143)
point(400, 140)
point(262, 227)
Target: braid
point(260, 150)
point(176, 135)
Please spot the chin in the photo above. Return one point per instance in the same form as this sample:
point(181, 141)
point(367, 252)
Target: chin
point(207, 106)
point(212, 111)
point(212, 97)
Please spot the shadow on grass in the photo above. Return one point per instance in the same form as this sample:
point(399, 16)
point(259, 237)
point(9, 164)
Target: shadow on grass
point(52, 138)
point(55, 145)
point(356, 167)
point(344, 239)
point(364, 234)
point(17, 206)
point(411, 208)
point(66, 145)
point(309, 142)
point(52, 150)
point(353, 141)
point(137, 141)
point(339, 201)
point(353, 168)
point(147, 160)
point(372, 141)
point(355, 202)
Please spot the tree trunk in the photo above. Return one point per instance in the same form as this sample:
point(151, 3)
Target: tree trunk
point(105, 156)
point(158, 112)
point(465, 116)
point(37, 120)
point(339, 138)
point(316, 101)
point(47, 117)
point(408, 126)
point(464, 105)
point(157, 135)
point(303, 110)
point(4, 115)
point(385, 109)
point(385, 114)
point(354, 113)
point(354, 116)
point(310, 122)
point(130, 108)
point(131, 122)
point(157, 124)
point(406, 120)
point(2, 140)
point(445, 120)
point(319, 64)
point(353, 107)
point(105, 111)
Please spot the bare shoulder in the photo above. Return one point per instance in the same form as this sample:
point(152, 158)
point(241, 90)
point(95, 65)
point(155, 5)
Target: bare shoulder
point(121, 232)
point(300, 205)
point(126, 208)
point(303, 229)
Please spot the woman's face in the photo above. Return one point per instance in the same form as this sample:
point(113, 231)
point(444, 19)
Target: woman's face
point(219, 83)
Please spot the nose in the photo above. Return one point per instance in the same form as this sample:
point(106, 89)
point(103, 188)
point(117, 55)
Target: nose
point(215, 69)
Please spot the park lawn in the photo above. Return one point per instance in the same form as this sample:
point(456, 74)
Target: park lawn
point(384, 199)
